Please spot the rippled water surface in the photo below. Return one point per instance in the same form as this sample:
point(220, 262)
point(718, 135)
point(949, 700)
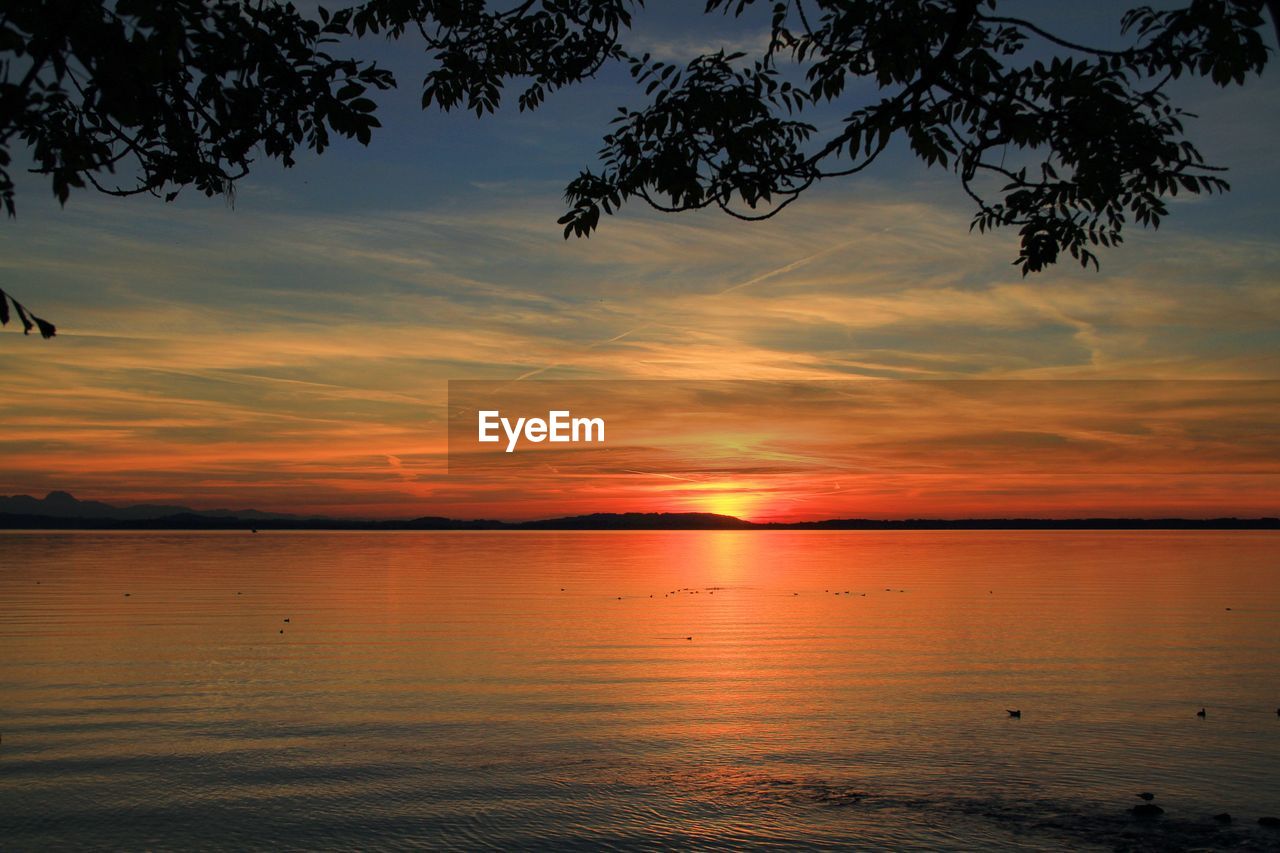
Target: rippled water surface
point(678, 689)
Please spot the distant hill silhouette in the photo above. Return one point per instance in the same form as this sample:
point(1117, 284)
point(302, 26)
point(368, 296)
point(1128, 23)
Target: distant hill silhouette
point(64, 505)
point(62, 511)
point(641, 521)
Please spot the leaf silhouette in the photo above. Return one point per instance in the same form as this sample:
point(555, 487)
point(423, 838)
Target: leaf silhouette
point(29, 320)
point(27, 325)
point(1067, 142)
point(47, 329)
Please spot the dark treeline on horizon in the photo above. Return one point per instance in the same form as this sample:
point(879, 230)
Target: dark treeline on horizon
point(627, 521)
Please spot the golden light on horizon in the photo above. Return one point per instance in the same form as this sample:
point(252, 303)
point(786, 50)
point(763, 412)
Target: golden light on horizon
point(736, 498)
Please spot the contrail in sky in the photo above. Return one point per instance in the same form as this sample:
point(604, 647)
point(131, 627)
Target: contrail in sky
point(794, 265)
point(782, 270)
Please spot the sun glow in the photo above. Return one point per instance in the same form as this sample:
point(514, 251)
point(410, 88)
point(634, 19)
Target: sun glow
point(731, 499)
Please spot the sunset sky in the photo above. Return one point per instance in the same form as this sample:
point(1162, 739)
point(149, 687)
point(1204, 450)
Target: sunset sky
point(292, 353)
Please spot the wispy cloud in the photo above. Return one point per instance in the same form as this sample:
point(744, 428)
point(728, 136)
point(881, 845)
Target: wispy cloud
point(289, 358)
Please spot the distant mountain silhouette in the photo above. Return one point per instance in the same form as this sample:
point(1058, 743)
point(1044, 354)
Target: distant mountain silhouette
point(64, 505)
point(61, 511)
point(642, 521)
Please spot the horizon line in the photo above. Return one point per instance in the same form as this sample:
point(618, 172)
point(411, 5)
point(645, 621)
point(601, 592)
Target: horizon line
point(639, 521)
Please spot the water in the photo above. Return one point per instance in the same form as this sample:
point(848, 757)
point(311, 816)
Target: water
point(517, 690)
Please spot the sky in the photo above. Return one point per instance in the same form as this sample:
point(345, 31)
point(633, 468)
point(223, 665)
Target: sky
point(292, 352)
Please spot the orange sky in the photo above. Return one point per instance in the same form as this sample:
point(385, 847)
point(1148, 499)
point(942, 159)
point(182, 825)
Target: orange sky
point(293, 352)
point(787, 450)
point(300, 363)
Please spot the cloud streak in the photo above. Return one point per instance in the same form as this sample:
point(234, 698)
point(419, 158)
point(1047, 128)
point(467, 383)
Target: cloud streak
point(284, 359)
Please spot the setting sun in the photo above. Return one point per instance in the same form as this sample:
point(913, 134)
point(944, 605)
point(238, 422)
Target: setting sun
point(351, 499)
point(731, 498)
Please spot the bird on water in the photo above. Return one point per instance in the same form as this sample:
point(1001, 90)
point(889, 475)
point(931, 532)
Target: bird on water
point(1201, 714)
point(1146, 795)
point(1016, 714)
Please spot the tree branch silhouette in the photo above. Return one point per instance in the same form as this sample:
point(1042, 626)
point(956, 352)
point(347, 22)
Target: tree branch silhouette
point(25, 316)
point(155, 96)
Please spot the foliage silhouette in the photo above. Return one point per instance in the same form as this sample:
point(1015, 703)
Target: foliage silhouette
point(29, 320)
point(153, 96)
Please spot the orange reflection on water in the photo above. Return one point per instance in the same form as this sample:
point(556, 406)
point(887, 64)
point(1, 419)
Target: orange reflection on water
point(550, 680)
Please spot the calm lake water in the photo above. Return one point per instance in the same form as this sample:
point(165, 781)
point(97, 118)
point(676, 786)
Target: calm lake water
point(678, 689)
